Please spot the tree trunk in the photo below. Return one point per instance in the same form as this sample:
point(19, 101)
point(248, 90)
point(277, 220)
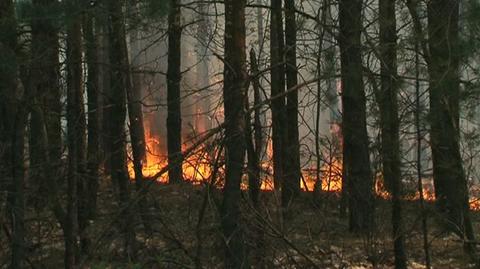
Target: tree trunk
point(45, 141)
point(389, 124)
point(13, 119)
point(277, 77)
point(119, 83)
point(451, 189)
point(137, 129)
point(234, 94)
point(254, 141)
point(260, 29)
point(261, 65)
point(419, 138)
point(291, 183)
point(45, 76)
point(53, 197)
point(105, 75)
point(137, 137)
point(174, 118)
point(355, 147)
point(203, 122)
point(76, 139)
point(17, 205)
point(254, 135)
point(93, 125)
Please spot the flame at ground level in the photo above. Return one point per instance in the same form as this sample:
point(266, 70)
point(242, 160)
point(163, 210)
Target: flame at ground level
point(197, 168)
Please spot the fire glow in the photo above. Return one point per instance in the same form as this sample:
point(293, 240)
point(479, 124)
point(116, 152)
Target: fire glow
point(197, 169)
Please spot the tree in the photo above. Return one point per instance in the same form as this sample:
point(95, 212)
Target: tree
point(76, 135)
point(291, 182)
point(12, 131)
point(389, 123)
point(254, 138)
point(174, 118)
point(234, 94)
point(254, 142)
point(119, 86)
point(449, 177)
point(277, 76)
point(202, 122)
point(45, 76)
point(355, 146)
point(93, 114)
point(42, 84)
point(137, 137)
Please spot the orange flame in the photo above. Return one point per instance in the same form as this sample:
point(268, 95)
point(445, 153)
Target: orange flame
point(197, 168)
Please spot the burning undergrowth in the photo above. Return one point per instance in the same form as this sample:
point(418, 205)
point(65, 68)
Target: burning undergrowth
point(199, 165)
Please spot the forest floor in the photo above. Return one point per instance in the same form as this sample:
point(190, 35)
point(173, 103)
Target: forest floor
point(186, 233)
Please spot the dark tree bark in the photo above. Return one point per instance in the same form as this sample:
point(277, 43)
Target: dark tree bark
point(451, 189)
point(76, 136)
point(12, 132)
point(277, 77)
point(174, 118)
point(318, 180)
point(254, 135)
point(355, 147)
point(17, 201)
point(137, 137)
point(45, 76)
point(419, 138)
point(291, 182)
point(105, 74)
point(389, 124)
point(234, 94)
point(254, 139)
point(44, 104)
point(137, 129)
point(53, 197)
point(93, 125)
point(119, 67)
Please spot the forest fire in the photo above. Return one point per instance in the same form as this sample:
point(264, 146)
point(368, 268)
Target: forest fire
point(197, 168)
point(332, 176)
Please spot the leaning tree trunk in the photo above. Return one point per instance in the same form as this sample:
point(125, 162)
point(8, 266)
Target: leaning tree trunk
point(291, 182)
point(174, 118)
point(355, 147)
point(389, 124)
point(119, 83)
point(137, 130)
point(451, 189)
point(277, 77)
point(137, 137)
point(234, 94)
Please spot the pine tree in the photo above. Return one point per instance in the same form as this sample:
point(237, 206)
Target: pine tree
point(356, 158)
point(234, 95)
